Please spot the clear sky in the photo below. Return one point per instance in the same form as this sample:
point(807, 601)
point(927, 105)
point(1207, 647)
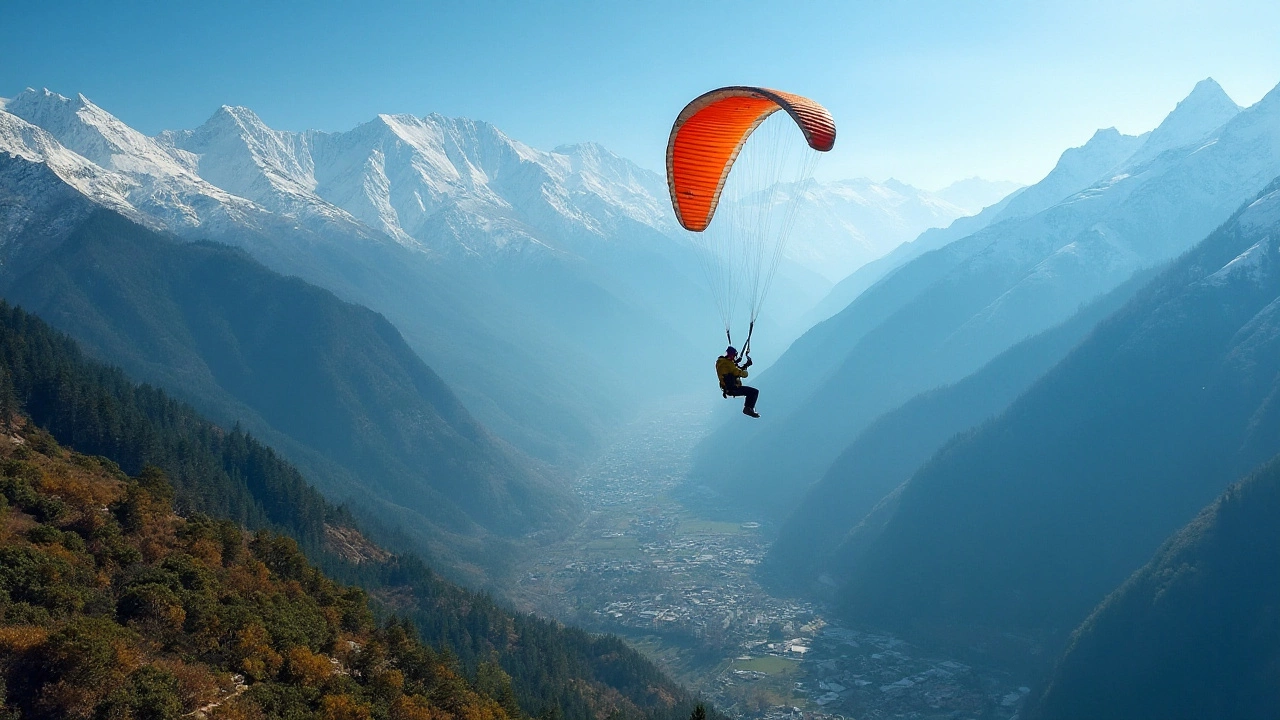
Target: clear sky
point(927, 92)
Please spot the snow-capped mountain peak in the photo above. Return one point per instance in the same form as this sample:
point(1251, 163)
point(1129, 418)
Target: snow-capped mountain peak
point(437, 183)
point(163, 186)
point(94, 133)
point(282, 154)
point(1077, 168)
point(1103, 142)
point(1207, 108)
point(24, 140)
point(235, 150)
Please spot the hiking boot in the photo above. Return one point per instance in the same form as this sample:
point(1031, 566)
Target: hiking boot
point(750, 411)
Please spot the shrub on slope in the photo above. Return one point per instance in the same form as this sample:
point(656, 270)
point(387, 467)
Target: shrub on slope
point(113, 606)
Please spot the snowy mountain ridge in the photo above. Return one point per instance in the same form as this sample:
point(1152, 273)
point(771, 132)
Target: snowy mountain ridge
point(1104, 232)
point(160, 186)
point(1207, 106)
point(1105, 161)
point(448, 186)
point(239, 153)
point(421, 181)
point(430, 182)
point(24, 140)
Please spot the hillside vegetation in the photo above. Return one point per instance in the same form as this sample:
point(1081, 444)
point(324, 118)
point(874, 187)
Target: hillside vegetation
point(1195, 634)
point(230, 475)
point(115, 607)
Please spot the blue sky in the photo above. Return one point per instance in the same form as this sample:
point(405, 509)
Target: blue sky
point(928, 92)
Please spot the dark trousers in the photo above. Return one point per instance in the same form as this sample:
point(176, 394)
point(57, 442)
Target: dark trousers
point(749, 393)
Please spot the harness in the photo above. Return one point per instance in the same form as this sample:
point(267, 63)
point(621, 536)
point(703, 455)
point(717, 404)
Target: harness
point(733, 381)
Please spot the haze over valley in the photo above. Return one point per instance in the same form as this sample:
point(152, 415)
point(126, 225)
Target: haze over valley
point(414, 417)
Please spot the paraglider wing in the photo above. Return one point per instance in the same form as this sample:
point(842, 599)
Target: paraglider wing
point(709, 133)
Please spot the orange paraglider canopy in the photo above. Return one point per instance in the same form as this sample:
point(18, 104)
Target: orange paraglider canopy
point(709, 133)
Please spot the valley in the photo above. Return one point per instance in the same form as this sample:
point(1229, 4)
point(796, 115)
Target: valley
point(681, 589)
point(355, 362)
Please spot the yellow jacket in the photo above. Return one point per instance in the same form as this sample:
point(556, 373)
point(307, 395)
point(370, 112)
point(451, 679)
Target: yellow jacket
point(728, 371)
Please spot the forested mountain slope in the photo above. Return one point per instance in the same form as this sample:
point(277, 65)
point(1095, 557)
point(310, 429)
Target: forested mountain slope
point(1193, 635)
point(1026, 523)
point(231, 475)
point(114, 606)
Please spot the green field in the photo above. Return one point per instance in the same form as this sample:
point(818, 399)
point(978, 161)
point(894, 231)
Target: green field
point(769, 665)
point(694, 526)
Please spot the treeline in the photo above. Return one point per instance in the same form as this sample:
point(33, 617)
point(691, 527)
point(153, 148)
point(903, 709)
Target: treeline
point(555, 671)
point(98, 411)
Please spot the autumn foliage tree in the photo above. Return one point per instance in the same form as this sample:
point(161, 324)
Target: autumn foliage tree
point(112, 606)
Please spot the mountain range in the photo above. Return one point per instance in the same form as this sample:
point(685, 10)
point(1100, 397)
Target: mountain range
point(492, 328)
point(520, 275)
point(997, 424)
point(994, 514)
point(1075, 170)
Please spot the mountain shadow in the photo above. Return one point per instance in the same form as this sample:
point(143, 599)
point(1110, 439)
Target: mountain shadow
point(888, 452)
point(1024, 524)
point(1193, 635)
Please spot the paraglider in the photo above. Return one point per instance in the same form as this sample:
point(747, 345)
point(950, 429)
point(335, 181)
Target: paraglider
point(731, 150)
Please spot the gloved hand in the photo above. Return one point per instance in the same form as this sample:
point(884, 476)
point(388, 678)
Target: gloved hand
point(749, 361)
